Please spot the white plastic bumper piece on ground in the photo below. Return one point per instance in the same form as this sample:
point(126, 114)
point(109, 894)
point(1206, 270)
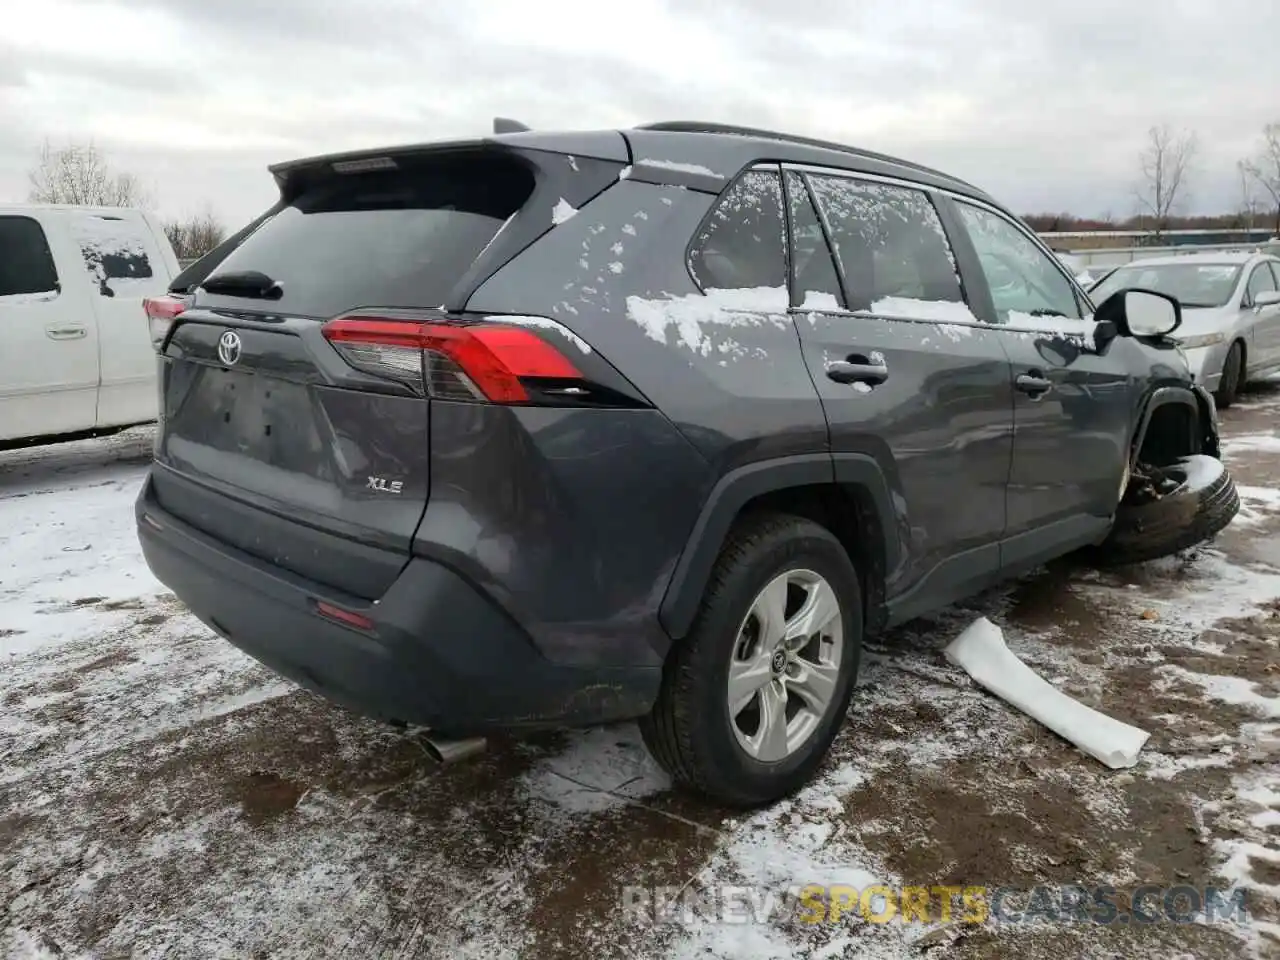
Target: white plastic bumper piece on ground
point(981, 652)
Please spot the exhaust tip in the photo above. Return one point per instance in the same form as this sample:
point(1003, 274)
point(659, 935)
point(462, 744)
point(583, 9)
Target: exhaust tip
point(447, 752)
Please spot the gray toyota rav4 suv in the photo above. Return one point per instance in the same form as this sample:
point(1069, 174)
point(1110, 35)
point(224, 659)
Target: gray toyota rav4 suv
point(547, 429)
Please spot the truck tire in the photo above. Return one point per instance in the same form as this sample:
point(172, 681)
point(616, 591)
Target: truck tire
point(796, 579)
point(1200, 500)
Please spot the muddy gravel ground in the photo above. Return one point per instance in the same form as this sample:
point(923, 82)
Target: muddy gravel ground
point(161, 795)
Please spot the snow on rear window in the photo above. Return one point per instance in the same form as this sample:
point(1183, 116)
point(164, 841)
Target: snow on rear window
point(113, 248)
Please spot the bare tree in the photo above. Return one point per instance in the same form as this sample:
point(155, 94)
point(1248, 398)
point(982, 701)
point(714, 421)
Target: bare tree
point(1165, 166)
point(195, 236)
point(1249, 202)
point(1264, 168)
point(79, 174)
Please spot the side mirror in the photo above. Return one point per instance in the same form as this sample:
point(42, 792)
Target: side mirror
point(1268, 298)
point(1141, 313)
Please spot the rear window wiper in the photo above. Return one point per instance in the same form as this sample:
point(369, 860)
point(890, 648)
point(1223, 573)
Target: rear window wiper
point(244, 283)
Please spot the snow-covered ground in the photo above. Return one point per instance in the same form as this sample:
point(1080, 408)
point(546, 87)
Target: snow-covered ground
point(161, 795)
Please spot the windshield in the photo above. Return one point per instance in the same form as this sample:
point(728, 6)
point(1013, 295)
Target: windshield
point(1193, 284)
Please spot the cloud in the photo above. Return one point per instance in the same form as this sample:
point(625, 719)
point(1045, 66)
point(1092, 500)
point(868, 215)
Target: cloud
point(1045, 104)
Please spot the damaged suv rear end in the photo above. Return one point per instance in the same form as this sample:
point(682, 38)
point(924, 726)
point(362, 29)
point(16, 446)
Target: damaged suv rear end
point(415, 510)
point(564, 428)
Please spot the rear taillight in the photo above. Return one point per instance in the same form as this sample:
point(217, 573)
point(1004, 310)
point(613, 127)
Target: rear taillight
point(161, 312)
point(450, 360)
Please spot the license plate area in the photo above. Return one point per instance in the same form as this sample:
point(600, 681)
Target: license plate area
point(262, 418)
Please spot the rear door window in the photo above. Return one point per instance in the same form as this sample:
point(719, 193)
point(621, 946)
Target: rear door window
point(116, 252)
point(26, 264)
point(814, 280)
point(892, 249)
point(389, 238)
point(742, 244)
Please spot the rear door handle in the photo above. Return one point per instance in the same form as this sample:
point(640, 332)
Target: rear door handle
point(858, 369)
point(65, 333)
point(1034, 384)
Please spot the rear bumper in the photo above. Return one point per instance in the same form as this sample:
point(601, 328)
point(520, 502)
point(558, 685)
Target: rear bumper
point(440, 654)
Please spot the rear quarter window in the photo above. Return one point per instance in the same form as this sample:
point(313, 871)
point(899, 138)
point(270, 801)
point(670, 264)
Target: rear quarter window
point(390, 238)
point(742, 243)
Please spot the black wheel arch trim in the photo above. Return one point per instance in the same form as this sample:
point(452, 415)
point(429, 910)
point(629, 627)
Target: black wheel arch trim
point(743, 484)
point(1187, 396)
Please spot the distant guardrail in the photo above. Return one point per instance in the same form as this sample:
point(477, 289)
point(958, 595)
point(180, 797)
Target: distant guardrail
point(1114, 256)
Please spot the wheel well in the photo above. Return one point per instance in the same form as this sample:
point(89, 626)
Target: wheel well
point(1171, 432)
point(849, 512)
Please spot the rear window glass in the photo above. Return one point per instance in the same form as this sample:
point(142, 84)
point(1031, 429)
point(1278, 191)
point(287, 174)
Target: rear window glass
point(26, 266)
point(114, 251)
point(394, 238)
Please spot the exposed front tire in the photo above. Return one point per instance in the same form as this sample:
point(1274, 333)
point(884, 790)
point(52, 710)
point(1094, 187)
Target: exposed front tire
point(752, 698)
point(1232, 377)
point(1176, 507)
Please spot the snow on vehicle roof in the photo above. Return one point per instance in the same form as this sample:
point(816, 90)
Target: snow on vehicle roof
point(1201, 258)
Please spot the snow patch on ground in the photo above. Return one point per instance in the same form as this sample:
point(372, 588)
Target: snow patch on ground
point(1236, 691)
point(1257, 505)
point(61, 556)
point(1251, 443)
point(600, 769)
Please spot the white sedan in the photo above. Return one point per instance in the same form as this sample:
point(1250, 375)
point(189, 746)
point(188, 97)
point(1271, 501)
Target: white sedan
point(1230, 328)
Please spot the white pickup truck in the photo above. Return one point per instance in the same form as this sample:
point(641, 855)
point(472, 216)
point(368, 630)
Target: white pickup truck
point(75, 351)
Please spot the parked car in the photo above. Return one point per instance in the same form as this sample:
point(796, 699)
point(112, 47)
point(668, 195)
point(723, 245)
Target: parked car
point(74, 358)
point(563, 428)
point(1231, 312)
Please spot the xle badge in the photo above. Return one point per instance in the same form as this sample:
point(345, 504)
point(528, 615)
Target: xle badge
point(385, 486)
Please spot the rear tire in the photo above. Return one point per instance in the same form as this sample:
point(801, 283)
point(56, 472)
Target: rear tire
point(1232, 377)
point(1202, 504)
point(693, 731)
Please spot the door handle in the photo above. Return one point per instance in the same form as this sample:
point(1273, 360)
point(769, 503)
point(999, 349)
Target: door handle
point(858, 369)
point(1033, 384)
point(65, 333)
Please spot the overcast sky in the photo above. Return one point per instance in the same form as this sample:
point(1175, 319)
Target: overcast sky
point(1045, 103)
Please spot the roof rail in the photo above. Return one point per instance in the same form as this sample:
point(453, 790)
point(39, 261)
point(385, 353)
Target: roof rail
point(697, 126)
point(507, 125)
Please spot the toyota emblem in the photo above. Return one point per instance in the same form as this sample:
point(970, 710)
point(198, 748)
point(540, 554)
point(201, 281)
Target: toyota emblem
point(229, 348)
